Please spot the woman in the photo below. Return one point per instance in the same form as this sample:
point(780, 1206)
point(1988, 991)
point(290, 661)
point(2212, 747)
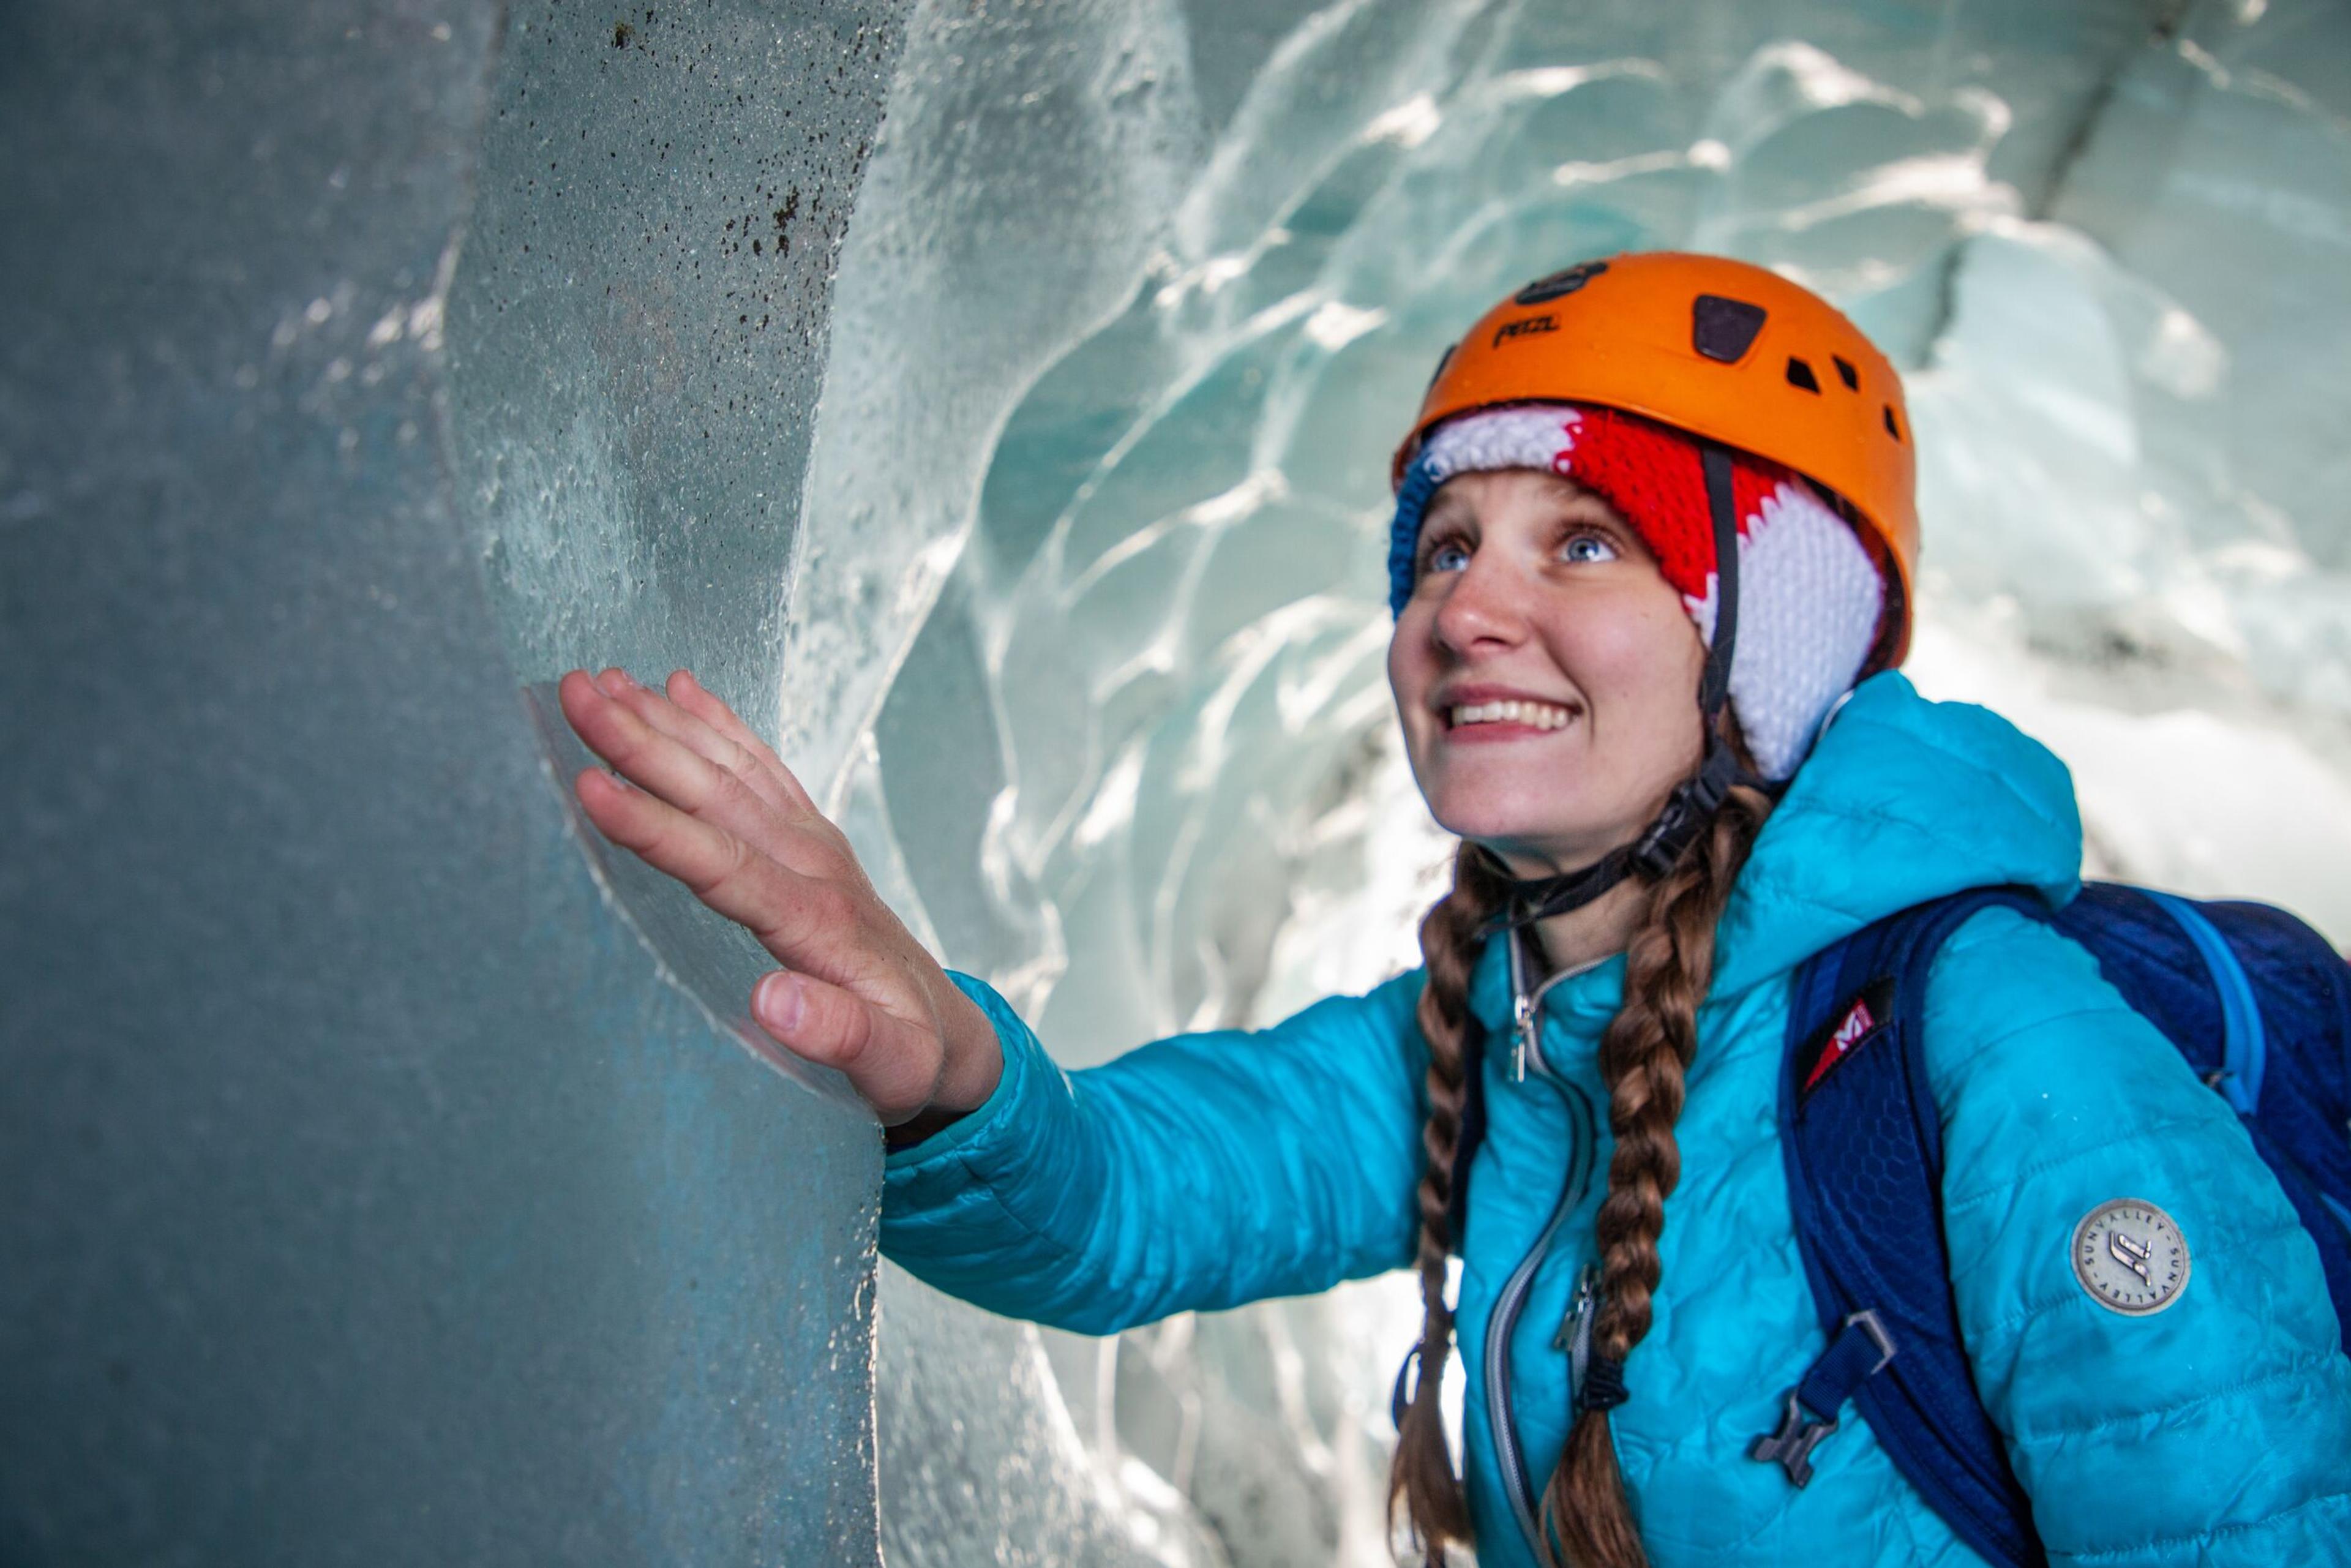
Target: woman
point(1660, 821)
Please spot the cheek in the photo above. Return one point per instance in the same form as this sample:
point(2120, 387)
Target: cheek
point(1640, 663)
point(1412, 670)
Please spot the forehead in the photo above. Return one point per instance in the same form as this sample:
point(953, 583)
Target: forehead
point(1490, 495)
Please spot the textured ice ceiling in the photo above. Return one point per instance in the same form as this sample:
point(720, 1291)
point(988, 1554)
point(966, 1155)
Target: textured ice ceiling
point(1086, 620)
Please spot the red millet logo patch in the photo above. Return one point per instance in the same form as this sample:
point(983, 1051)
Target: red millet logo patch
point(1850, 1032)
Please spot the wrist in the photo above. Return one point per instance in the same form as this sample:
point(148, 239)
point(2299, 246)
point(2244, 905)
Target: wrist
point(971, 1066)
point(974, 1059)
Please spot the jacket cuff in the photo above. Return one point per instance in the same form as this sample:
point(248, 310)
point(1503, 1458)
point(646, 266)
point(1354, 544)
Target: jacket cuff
point(1024, 1061)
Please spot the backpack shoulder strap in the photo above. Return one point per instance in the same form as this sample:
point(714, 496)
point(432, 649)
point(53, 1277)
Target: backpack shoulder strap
point(1862, 1137)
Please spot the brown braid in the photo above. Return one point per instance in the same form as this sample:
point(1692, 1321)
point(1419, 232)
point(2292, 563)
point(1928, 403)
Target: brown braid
point(1422, 1471)
point(1643, 1056)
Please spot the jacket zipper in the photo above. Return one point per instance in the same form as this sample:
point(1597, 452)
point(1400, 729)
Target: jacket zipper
point(1526, 1055)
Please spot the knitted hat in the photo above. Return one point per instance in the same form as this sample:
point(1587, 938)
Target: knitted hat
point(1809, 593)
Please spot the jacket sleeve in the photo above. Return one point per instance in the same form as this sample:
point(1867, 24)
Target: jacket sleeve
point(1201, 1171)
point(2215, 1431)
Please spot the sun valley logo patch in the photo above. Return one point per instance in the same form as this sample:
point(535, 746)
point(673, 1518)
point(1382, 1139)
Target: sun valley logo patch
point(2130, 1256)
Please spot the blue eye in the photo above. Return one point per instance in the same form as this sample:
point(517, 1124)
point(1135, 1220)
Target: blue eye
point(1587, 548)
point(1448, 557)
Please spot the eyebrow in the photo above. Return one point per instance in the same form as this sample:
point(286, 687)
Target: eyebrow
point(1438, 523)
point(1445, 509)
point(1580, 506)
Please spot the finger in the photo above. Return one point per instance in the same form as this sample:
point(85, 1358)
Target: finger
point(894, 1064)
point(583, 699)
point(753, 808)
point(808, 922)
point(581, 694)
point(614, 730)
point(692, 696)
point(722, 750)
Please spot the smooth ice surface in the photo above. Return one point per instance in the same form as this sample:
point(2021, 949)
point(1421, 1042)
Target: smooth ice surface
point(1085, 634)
point(383, 1184)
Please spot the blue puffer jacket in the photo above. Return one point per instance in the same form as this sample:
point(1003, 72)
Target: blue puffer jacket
point(1212, 1169)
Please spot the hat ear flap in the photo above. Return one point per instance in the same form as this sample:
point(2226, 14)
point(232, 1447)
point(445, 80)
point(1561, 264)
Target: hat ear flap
point(1810, 598)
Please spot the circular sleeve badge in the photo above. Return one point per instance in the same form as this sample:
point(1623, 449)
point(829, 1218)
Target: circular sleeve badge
point(2130, 1256)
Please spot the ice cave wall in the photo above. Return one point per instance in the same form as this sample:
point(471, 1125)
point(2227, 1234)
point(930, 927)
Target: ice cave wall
point(1085, 632)
point(386, 1179)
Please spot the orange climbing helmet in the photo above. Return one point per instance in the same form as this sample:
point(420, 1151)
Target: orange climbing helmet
point(1724, 350)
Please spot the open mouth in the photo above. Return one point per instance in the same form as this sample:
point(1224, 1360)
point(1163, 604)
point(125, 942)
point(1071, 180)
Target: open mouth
point(1514, 714)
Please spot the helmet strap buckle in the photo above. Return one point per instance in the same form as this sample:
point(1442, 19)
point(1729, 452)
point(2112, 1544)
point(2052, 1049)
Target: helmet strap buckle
point(1687, 811)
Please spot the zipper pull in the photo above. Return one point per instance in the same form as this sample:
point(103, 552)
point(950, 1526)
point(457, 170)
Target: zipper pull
point(1523, 1010)
point(1574, 1334)
point(1578, 1306)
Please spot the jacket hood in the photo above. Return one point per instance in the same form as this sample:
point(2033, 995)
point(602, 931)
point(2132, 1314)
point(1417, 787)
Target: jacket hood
point(1902, 801)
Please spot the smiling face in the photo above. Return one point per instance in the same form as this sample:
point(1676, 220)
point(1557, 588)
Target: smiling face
point(1545, 672)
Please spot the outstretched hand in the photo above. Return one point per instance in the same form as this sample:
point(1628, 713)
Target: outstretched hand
point(696, 794)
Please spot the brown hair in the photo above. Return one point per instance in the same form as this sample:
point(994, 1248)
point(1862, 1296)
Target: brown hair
point(1643, 1056)
point(1450, 940)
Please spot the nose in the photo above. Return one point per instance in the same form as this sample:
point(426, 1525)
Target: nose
point(1482, 606)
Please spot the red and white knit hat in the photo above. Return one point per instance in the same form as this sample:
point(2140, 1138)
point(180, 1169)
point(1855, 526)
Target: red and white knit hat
point(1809, 593)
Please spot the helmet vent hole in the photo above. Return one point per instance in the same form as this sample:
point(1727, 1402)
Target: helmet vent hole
point(1543, 291)
point(1892, 429)
point(1846, 372)
point(1799, 374)
point(1724, 330)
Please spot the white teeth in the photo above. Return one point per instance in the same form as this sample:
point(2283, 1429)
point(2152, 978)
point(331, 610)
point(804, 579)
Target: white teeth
point(1542, 715)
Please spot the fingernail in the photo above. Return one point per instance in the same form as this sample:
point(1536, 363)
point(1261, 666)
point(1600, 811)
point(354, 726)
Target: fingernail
point(780, 1002)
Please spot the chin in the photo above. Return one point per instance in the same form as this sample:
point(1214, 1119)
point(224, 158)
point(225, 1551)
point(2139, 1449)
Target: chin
point(1511, 832)
point(1500, 811)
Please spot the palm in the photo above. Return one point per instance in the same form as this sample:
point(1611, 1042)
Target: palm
point(713, 806)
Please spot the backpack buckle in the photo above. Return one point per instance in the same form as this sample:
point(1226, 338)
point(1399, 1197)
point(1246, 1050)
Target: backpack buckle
point(1861, 1350)
point(1792, 1446)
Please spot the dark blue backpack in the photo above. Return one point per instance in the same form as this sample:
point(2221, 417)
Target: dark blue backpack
point(2258, 1003)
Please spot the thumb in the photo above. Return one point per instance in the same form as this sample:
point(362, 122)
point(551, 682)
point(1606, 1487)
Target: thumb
point(892, 1064)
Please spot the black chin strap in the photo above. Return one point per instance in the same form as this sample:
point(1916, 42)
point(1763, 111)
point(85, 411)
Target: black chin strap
point(1696, 800)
